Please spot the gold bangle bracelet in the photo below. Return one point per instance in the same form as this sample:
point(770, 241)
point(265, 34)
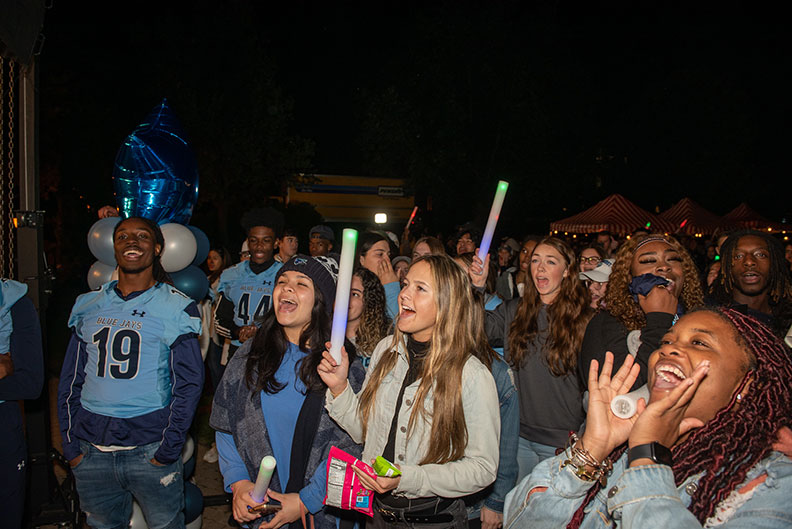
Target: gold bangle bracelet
point(583, 463)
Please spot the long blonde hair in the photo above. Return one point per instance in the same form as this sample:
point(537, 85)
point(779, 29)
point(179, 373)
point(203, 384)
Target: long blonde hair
point(452, 343)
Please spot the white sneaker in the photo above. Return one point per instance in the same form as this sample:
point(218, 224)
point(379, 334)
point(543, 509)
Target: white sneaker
point(211, 455)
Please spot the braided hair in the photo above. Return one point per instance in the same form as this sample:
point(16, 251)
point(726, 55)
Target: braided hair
point(159, 273)
point(761, 404)
point(779, 287)
point(750, 421)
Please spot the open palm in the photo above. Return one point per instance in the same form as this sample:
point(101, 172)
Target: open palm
point(604, 430)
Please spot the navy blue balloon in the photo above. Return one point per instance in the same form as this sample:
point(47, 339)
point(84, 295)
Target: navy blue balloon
point(192, 281)
point(193, 502)
point(203, 246)
point(189, 467)
point(155, 174)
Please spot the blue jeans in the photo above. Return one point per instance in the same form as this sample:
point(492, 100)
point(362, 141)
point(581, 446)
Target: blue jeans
point(530, 454)
point(107, 482)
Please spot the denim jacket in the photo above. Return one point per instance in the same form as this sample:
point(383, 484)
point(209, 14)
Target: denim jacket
point(477, 467)
point(494, 495)
point(644, 496)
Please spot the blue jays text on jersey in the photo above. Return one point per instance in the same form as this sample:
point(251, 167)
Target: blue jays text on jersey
point(250, 293)
point(128, 355)
point(131, 359)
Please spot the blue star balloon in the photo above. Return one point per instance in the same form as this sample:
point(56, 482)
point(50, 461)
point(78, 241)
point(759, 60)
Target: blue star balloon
point(155, 174)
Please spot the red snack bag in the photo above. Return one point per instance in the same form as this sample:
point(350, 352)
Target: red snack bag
point(344, 489)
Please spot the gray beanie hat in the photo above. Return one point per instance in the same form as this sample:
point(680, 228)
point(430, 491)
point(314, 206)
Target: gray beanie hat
point(322, 270)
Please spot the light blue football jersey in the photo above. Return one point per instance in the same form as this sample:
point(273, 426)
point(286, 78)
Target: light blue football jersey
point(250, 293)
point(128, 371)
point(10, 292)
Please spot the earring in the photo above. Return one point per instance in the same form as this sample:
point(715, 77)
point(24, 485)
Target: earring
point(739, 397)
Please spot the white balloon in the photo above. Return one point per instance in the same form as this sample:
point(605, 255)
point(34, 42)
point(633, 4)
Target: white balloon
point(180, 247)
point(99, 274)
point(100, 239)
point(188, 449)
point(137, 521)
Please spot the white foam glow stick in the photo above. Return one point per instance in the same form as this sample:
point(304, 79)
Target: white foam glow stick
point(625, 406)
point(343, 285)
point(266, 468)
point(492, 221)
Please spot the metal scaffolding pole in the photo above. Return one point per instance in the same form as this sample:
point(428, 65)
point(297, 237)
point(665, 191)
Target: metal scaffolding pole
point(30, 270)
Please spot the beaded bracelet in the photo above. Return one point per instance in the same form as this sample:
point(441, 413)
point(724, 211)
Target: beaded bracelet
point(585, 466)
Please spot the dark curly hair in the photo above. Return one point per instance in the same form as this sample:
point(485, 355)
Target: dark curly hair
point(374, 321)
point(620, 303)
point(742, 433)
point(779, 287)
point(269, 217)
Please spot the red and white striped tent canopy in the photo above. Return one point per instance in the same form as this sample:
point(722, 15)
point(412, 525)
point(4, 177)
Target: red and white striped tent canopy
point(745, 217)
point(690, 218)
point(615, 214)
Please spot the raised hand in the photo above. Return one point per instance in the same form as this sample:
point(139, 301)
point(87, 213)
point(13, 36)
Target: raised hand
point(385, 272)
point(332, 374)
point(479, 270)
point(664, 421)
point(107, 211)
point(604, 430)
point(659, 299)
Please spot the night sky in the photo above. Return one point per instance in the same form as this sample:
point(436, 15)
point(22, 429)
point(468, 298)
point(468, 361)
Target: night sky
point(570, 104)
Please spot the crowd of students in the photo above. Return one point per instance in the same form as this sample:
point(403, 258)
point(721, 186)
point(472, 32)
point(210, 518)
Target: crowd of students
point(487, 383)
